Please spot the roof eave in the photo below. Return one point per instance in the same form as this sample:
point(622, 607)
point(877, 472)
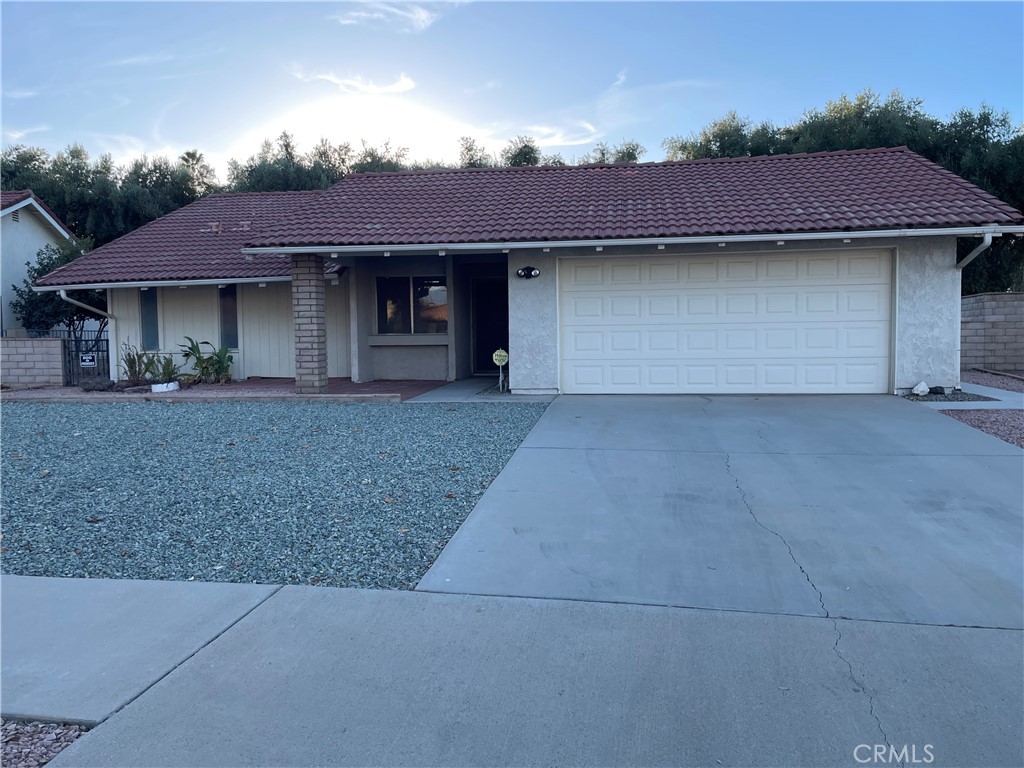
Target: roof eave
point(967, 231)
point(159, 283)
point(54, 223)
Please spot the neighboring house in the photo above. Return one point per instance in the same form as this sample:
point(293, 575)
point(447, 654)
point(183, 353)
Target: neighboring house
point(26, 227)
point(824, 273)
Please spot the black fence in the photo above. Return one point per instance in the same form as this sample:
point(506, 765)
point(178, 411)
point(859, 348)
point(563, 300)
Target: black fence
point(86, 353)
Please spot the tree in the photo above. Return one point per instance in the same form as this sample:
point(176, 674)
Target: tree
point(201, 178)
point(46, 310)
point(520, 151)
point(380, 159)
point(473, 155)
point(982, 146)
point(628, 151)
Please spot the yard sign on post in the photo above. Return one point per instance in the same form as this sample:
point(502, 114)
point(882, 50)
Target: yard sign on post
point(500, 358)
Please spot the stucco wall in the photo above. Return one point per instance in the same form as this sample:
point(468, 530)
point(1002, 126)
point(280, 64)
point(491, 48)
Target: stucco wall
point(927, 312)
point(533, 325)
point(992, 332)
point(926, 321)
point(20, 241)
point(28, 362)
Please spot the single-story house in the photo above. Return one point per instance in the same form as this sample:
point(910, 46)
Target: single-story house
point(27, 225)
point(831, 272)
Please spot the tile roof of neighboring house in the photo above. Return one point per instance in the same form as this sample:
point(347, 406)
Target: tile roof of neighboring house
point(828, 191)
point(201, 241)
point(11, 197)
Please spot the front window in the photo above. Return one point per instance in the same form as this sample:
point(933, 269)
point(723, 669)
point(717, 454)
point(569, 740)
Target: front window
point(150, 320)
point(228, 296)
point(412, 305)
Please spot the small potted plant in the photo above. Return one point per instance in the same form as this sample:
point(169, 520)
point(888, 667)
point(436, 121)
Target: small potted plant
point(166, 373)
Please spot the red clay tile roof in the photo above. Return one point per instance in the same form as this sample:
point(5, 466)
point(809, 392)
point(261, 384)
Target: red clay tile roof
point(201, 241)
point(11, 197)
point(828, 191)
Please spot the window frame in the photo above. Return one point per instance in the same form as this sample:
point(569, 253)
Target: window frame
point(410, 305)
point(149, 314)
point(221, 314)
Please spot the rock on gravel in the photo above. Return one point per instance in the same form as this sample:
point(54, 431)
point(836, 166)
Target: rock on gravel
point(951, 396)
point(32, 744)
point(1006, 424)
point(357, 495)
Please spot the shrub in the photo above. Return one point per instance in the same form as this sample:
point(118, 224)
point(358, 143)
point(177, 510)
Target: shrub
point(136, 365)
point(213, 368)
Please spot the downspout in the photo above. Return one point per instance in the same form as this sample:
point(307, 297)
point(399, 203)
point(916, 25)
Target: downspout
point(111, 353)
point(986, 243)
point(75, 302)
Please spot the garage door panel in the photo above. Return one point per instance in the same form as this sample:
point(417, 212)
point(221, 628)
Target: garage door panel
point(808, 322)
point(735, 271)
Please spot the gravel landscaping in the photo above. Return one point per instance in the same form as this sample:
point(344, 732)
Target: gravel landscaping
point(358, 495)
point(32, 744)
point(1006, 424)
point(951, 396)
point(982, 379)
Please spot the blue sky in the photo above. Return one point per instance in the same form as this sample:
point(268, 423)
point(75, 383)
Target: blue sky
point(129, 78)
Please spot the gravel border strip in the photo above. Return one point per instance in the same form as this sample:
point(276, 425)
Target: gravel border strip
point(1005, 423)
point(33, 743)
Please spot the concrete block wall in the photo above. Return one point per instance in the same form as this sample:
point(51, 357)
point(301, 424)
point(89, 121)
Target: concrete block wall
point(28, 363)
point(992, 332)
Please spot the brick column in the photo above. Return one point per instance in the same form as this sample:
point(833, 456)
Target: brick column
point(310, 324)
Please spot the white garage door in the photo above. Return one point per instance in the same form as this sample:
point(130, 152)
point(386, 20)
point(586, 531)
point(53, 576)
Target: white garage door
point(795, 322)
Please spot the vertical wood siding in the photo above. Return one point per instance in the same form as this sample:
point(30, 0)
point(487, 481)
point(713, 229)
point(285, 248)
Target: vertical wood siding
point(266, 329)
point(338, 339)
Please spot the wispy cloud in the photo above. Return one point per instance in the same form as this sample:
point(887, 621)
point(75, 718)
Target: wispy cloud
point(20, 93)
point(406, 17)
point(140, 60)
point(571, 134)
point(358, 84)
point(620, 79)
point(490, 85)
point(16, 134)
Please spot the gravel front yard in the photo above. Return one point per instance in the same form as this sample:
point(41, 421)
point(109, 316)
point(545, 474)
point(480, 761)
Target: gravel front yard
point(32, 744)
point(284, 493)
point(1004, 423)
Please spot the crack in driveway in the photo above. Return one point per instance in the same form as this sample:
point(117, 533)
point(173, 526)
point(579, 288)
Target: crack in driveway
point(859, 686)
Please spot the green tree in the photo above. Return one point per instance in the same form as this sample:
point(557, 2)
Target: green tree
point(628, 151)
point(46, 310)
point(473, 155)
point(982, 146)
point(380, 159)
point(520, 151)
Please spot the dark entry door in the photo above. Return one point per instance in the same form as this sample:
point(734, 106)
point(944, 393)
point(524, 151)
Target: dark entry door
point(490, 321)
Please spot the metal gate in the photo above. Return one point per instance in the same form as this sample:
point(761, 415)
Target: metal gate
point(86, 358)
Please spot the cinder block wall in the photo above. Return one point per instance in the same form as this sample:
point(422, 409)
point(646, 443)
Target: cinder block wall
point(992, 332)
point(31, 362)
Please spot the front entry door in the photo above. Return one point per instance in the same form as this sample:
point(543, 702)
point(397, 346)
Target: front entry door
point(490, 321)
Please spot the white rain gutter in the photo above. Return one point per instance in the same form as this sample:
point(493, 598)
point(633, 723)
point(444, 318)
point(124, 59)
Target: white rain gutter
point(982, 247)
point(992, 230)
point(69, 300)
point(161, 283)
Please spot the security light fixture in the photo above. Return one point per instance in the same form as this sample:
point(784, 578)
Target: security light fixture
point(527, 272)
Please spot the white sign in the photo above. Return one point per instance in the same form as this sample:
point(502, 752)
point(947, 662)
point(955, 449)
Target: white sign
point(87, 360)
point(500, 357)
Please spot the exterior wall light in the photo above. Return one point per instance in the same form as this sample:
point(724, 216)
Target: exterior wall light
point(527, 272)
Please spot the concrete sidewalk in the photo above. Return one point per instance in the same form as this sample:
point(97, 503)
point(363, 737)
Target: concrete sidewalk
point(318, 676)
point(76, 650)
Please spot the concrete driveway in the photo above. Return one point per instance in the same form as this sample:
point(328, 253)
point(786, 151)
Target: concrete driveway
point(860, 507)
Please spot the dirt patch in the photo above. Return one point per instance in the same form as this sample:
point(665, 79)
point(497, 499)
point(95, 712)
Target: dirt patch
point(1006, 424)
point(1008, 383)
